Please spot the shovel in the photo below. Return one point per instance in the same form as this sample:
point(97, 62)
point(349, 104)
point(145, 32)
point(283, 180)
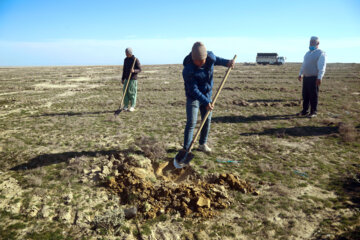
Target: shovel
point(117, 112)
point(185, 156)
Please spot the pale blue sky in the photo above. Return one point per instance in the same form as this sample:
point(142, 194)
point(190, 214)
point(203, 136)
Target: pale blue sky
point(52, 32)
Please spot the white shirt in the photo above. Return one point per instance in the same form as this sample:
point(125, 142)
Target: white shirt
point(314, 64)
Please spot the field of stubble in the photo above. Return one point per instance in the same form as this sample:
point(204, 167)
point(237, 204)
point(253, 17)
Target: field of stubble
point(63, 155)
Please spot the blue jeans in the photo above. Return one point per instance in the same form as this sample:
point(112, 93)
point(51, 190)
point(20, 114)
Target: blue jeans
point(192, 109)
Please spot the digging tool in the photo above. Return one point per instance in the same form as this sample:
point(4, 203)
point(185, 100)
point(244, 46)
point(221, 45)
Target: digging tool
point(185, 156)
point(117, 112)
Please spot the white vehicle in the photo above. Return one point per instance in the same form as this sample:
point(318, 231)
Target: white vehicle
point(269, 58)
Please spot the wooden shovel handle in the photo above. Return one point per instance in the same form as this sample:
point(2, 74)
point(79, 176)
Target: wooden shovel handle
point(127, 84)
point(213, 103)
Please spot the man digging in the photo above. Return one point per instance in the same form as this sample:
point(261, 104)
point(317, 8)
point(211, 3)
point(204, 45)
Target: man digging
point(313, 70)
point(198, 80)
point(130, 94)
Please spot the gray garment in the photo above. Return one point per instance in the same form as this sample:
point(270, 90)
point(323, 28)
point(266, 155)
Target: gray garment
point(314, 64)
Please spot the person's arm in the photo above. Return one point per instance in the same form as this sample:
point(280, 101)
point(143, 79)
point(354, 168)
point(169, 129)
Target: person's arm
point(321, 65)
point(224, 62)
point(221, 61)
point(137, 68)
point(193, 89)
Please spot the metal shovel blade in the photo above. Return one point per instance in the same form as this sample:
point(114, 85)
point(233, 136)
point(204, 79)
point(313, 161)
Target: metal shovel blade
point(117, 112)
point(182, 158)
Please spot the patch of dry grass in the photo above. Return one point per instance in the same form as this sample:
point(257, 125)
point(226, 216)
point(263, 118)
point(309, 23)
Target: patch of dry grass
point(52, 133)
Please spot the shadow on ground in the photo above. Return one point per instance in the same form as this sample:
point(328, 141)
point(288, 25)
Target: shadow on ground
point(296, 131)
point(73, 113)
point(348, 188)
point(271, 100)
point(351, 235)
point(55, 158)
point(253, 118)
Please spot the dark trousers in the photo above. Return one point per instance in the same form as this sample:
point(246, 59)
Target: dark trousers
point(310, 94)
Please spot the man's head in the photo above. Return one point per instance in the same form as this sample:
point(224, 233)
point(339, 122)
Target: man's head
point(128, 52)
point(199, 54)
point(314, 42)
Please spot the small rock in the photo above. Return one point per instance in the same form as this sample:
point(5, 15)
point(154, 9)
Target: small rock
point(68, 198)
point(110, 164)
point(140, 161)
point(65, 215)
point(45, 212)
point(86, 171)
point(106, 170)
point(14, 208)
point(130, 212)
point(96, 169)
point(256, 193)
point(33, 211)
point(221, 190)
point(84, 180)
point(203, 202)
point(147, 207)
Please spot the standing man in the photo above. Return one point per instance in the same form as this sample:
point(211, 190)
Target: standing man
point(131, 92)
point(198, 79)
point(313, 70)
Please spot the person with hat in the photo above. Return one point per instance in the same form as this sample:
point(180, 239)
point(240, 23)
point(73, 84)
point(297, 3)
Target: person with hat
point(312, 70)
point(198, 80)
point(131, 92)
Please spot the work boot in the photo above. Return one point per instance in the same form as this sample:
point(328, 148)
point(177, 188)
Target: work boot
point(131, 109)
point(204, 148)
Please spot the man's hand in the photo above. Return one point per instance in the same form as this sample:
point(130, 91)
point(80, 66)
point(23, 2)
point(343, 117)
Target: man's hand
point(299, 78)
point(231, 63)
point(209, 107)
point(132, 71)
point(318, 82)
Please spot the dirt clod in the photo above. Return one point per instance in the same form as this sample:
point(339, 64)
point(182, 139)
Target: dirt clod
point(172, 190)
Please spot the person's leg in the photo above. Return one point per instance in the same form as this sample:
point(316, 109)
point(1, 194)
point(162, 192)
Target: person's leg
point(192, 108)
point(314, 94)
point(305, 95)
point(133, 92)
point(206, 128)
point(126, 97)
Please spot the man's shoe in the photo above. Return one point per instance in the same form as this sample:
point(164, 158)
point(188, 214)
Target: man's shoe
point(125, 109)
point(312, 115)
point(204, 148)
point(132, 109)
point(302, 113)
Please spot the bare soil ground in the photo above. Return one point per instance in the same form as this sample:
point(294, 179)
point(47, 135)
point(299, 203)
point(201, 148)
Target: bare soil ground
point(70, 169)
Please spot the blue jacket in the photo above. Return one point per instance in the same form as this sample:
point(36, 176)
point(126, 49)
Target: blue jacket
point(199, 81)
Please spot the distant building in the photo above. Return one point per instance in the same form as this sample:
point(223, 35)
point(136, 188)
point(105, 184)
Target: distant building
point(269, 58)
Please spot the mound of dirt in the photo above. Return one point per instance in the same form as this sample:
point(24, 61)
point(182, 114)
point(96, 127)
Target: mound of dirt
point(161, 189)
